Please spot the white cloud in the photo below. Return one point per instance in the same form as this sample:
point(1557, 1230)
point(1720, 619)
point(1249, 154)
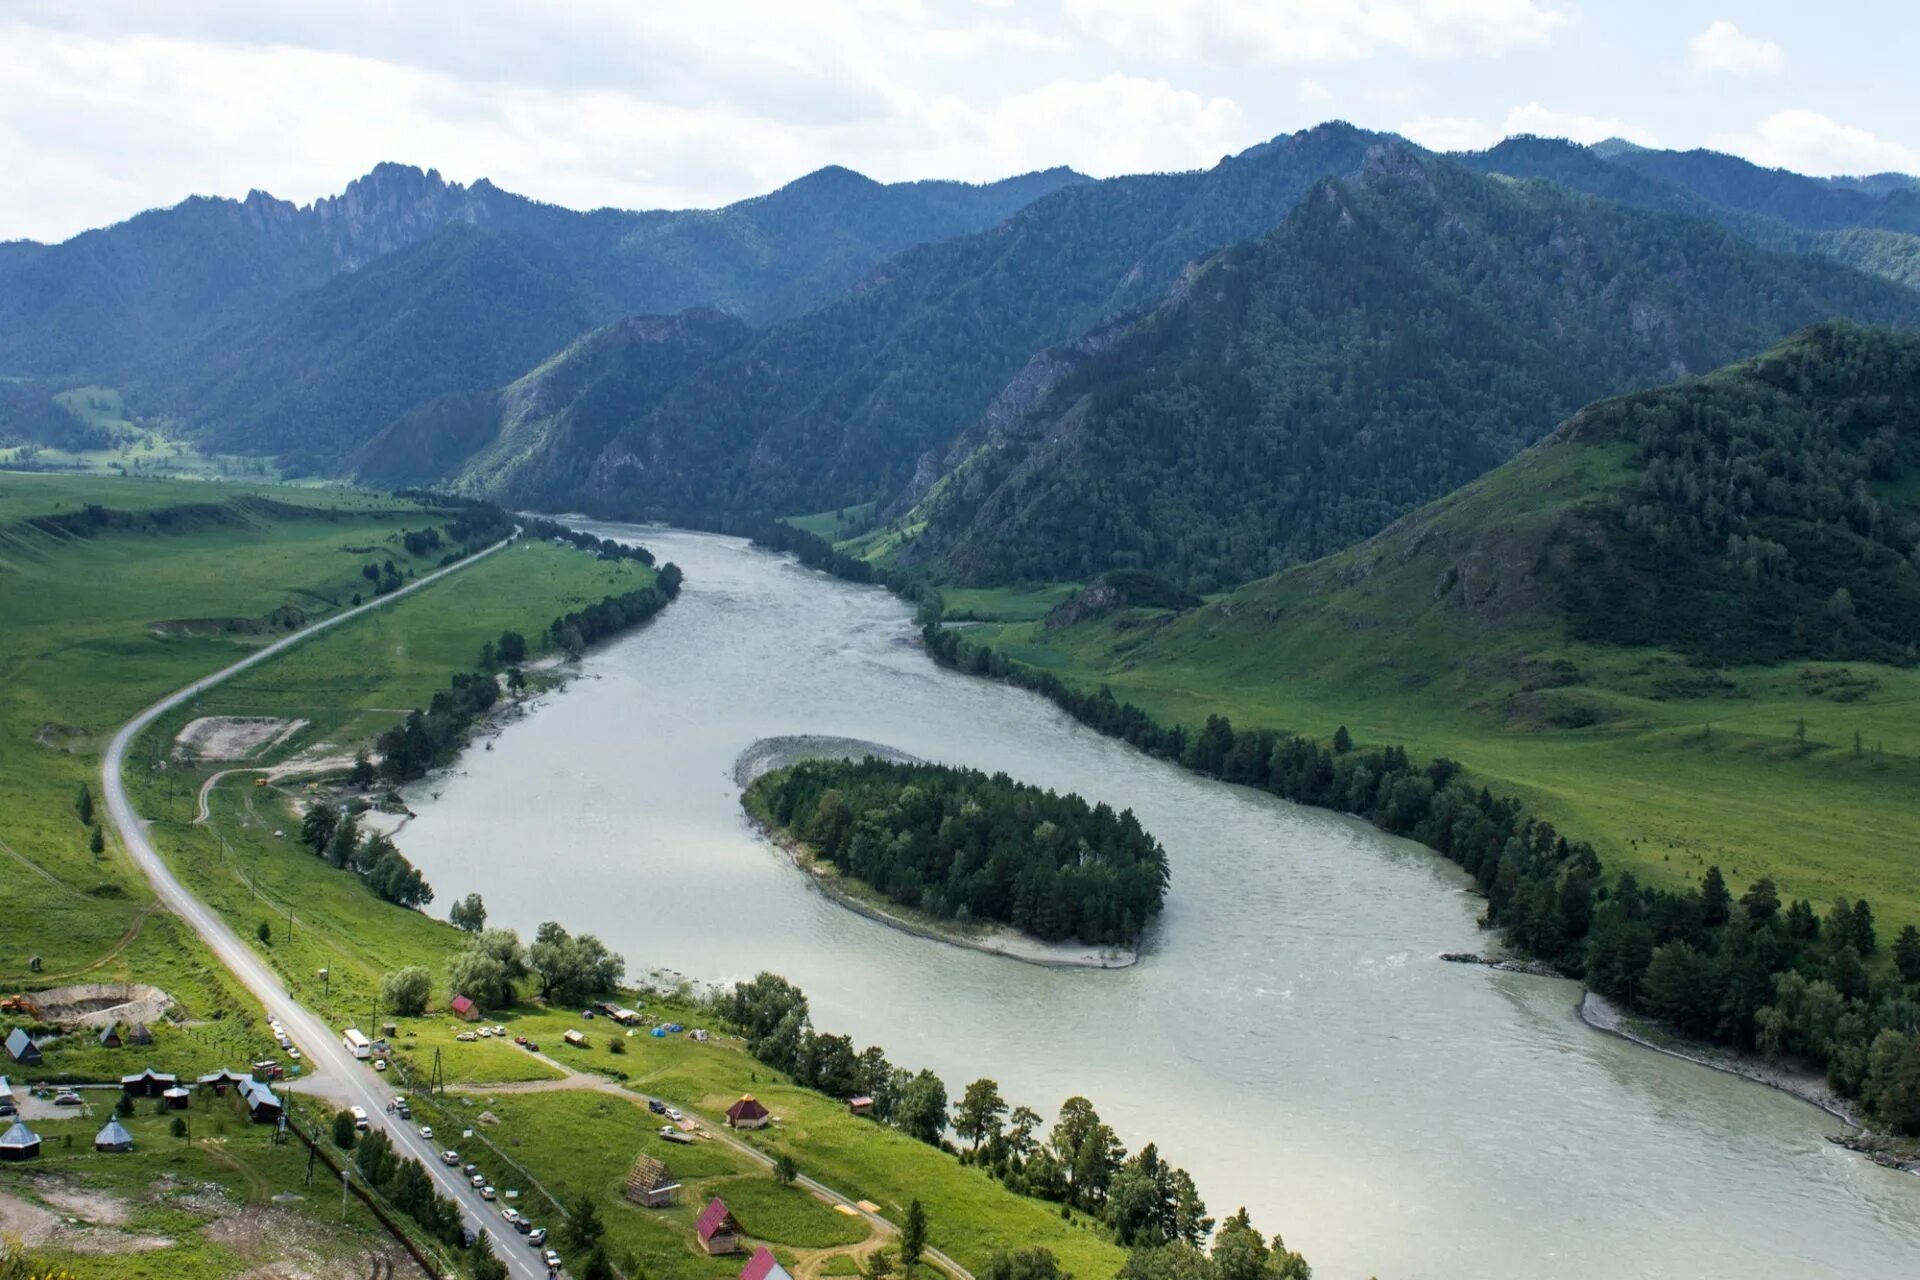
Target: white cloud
point(94, 128)
point(1809, 142)
point(1313, 30)
point(1465, 133)
point(1314, 91)
point(1449, 133)
point(1534, 118)
point(1724, 47)
point(1117, 124)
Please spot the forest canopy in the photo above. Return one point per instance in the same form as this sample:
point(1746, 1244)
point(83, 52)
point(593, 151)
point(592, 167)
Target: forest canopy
point(966, 846)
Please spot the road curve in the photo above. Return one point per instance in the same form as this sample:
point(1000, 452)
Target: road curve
point(347, 1080)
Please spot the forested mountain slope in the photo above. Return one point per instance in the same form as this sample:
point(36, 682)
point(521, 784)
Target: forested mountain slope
point(1768, 511)
point(464, 309)
point(544, 431)
point(1398, 335)
point(112, 298)
point(841, 404)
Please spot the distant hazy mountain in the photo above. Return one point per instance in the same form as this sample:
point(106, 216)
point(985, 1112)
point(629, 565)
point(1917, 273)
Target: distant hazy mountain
point(1817, 204)
point(109, 299)
point(1863, 222)
point(1401, 333)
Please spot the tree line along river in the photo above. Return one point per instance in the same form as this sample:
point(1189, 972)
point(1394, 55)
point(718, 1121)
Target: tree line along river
point(1289, 1034)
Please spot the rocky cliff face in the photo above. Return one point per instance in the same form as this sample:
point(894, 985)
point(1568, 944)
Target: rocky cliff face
point(389, 208)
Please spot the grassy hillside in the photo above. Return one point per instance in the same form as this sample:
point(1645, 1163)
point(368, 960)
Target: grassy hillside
point(178, 580)
point(1471, 630)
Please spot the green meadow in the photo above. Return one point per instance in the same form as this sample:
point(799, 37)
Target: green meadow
point(1808, 773)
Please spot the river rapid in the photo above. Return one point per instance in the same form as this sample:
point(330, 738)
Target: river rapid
point(1289, 1035)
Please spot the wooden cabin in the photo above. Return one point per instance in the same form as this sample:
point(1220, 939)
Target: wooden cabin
point(717, 1231)
point(650, 1183)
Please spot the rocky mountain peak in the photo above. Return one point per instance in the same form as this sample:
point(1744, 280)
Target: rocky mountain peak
point(389, 208)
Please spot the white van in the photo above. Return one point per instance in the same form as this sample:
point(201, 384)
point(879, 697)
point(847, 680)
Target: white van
point(359, 1117)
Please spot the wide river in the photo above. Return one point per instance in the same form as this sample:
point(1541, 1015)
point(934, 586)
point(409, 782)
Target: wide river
point(1289, 1035)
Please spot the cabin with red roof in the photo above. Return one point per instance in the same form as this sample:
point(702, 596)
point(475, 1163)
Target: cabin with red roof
point(716, 1230)
point(764, 1266)
point(465, 1009)
point(748, 1114)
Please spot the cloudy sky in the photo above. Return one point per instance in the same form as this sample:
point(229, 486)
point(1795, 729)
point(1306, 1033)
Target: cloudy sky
point(112, 106)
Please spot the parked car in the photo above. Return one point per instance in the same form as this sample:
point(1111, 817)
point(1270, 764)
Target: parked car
point(522, 1225)
point(499, 1030)
point(293, 1053)
point(533, 1046)
point(379, 1064)
point(359, 1117)
point(656, 1106)
point(486, 1193)
point(466, 1037)
point(520, 1040)
point(402, 1110)
point(478, 1180)
point(673, 1114)
point(472, 1169)
point(66, 1098)
point(553, 1260)
point(587, 1014)
point(512, 1215)
point(451, 1159)
point(537, 1237)
point(426, 1131)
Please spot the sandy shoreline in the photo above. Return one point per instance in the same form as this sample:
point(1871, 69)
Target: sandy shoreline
point(1602, 1014)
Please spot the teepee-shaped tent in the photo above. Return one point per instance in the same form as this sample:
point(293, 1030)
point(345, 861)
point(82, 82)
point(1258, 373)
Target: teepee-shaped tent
point(113, 1138)
point(19, 1143)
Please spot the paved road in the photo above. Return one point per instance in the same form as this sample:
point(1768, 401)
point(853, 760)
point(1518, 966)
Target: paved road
point(344, 1079)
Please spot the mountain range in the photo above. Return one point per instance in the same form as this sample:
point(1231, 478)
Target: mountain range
point(1406, 328)
point(1212, 374)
